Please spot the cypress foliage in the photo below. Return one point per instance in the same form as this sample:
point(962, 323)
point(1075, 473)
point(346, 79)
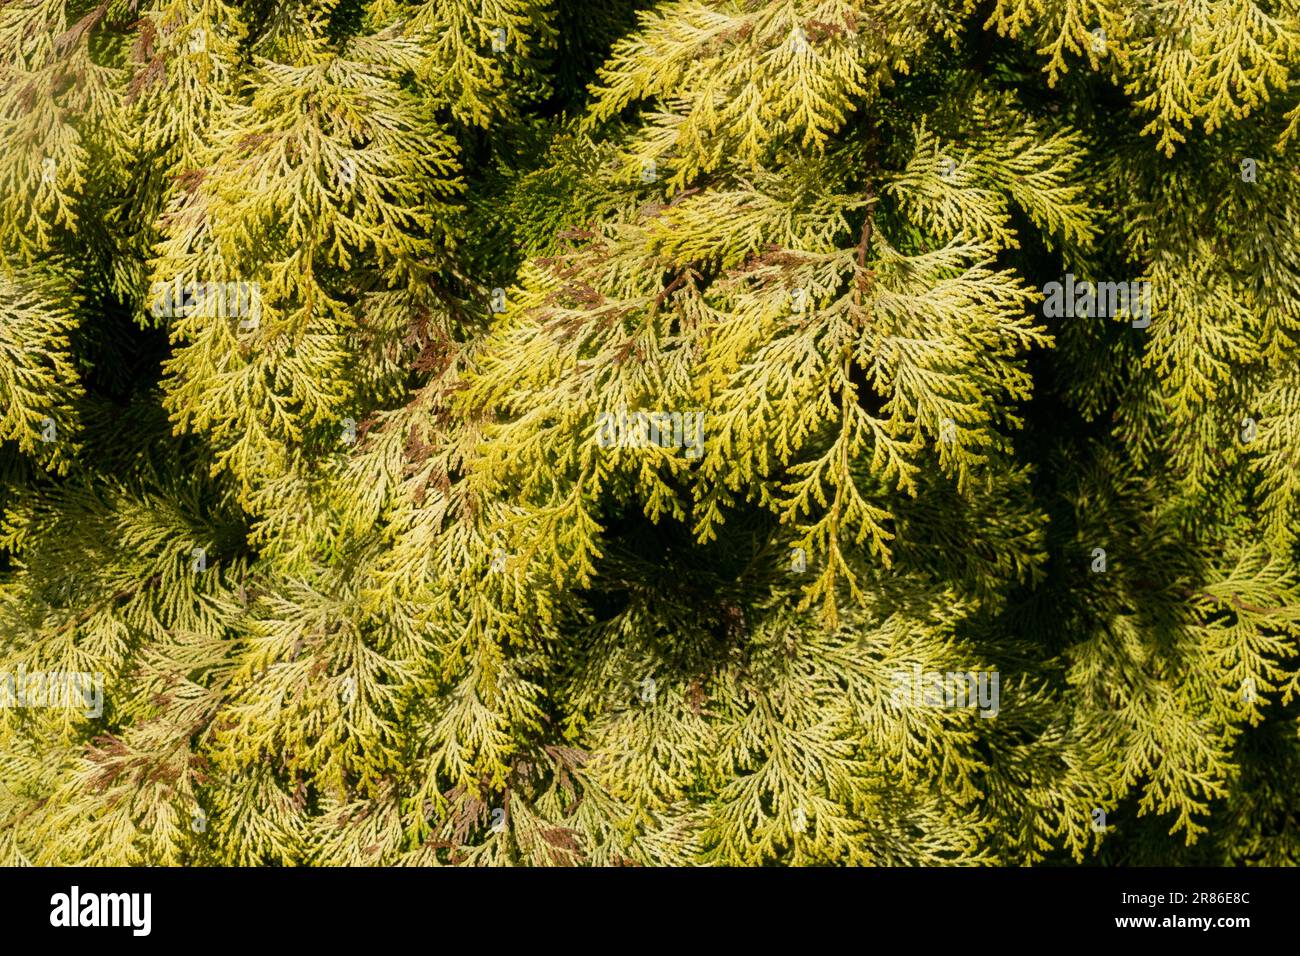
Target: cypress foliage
point(551, 432)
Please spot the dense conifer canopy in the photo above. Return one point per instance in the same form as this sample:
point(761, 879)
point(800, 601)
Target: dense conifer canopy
point(603, 432)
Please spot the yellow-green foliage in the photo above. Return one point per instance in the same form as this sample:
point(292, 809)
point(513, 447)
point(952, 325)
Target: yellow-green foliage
point(369, 582)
